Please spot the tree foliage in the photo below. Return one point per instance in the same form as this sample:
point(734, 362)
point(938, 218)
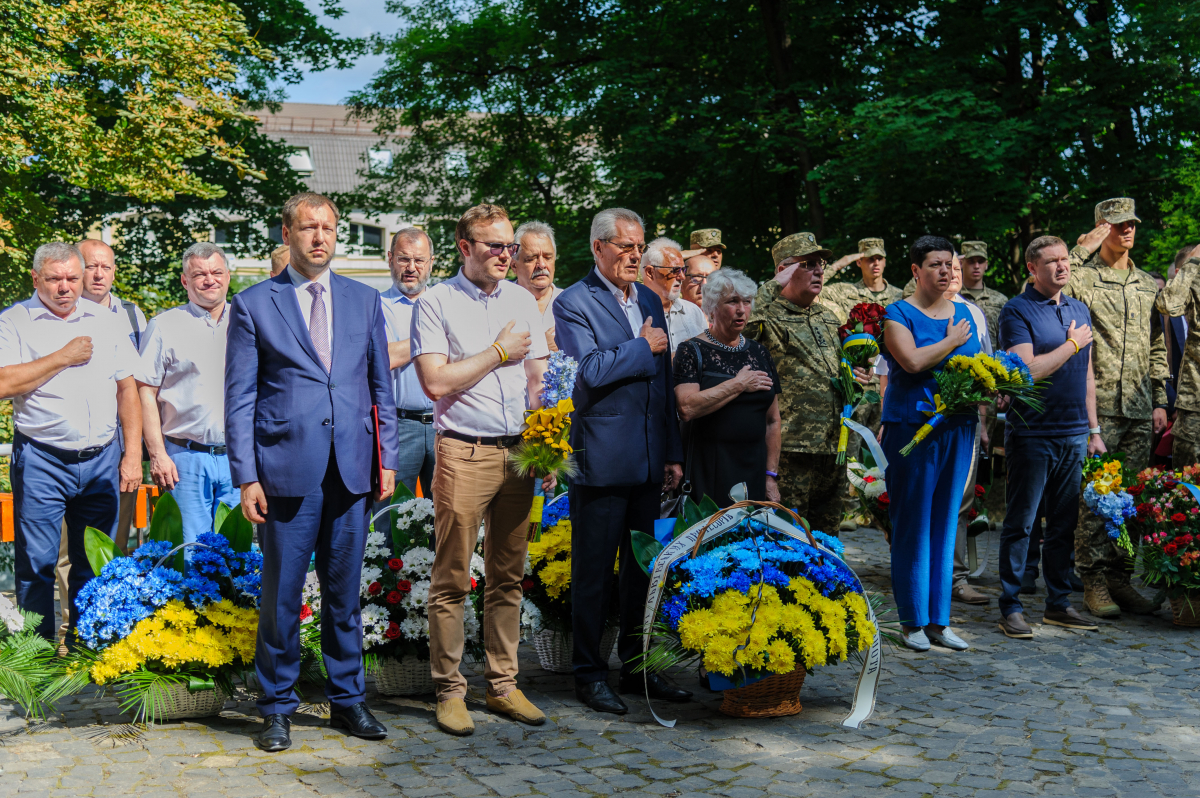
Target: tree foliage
point(991, 119)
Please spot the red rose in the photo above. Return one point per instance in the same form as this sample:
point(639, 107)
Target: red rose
point(374, 588)
point(395, 564)
point(395, 597)
point(393, 631)
point(883, 500)
point(972, 514)
point(404, 586)
point(1170, 549)
point(872, 329)
point(527, 585)
point(1179, 518)
point(1186, 539)
point(868, 480)
point(1135, 490)
point(474, 584)
point(305, 612)
point(1143, 510)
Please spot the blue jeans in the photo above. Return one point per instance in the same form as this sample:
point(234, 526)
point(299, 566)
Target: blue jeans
point(926, 491)
point(418, 444)
point(1041, 472)
point(47, 488)
point(204, 482)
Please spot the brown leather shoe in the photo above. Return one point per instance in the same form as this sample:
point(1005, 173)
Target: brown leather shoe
point(1097, 600)
point(453, 718)
point(1015, 627)
point(1068, 619)
point(1128, 598)
point(968, 595)
point(517, 707)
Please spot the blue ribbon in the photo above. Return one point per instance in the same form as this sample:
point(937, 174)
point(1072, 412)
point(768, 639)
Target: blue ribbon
point(930, 407)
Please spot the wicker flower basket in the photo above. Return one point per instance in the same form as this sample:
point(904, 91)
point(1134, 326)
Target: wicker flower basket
point(408, 676)
point(554, 648)
point(1185, 609)
point(180, 703)
point(772, 697)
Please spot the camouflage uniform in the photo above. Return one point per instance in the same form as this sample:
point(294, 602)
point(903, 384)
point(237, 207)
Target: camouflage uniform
point(1181, 297)
point(804, 344)
point(991, 302)
point(1129, 358)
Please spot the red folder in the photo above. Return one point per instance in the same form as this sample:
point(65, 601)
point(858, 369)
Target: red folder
point(377, 458)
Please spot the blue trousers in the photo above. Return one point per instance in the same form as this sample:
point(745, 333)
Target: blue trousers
point(926, 490)
point(204, 482)
point(418, 453)
point(46, 489)
point(332, 522)
point(1041, 472)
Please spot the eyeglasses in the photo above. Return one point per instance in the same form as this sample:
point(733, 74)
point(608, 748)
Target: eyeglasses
point(496, 249)
point(404, 263)
point(674, 271)
point(808, 265)
point(696, 279)
point(626, 248)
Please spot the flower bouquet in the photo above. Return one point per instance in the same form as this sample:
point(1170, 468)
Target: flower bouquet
point(967, 382)
point(546, 608)
point(870, 488)
point(759, 609)
point(860, 337)
point(1104, 496)
point(545, 448)
point(170, 642)
point(1167, 521)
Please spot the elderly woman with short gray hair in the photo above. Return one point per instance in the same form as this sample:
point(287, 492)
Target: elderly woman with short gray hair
point(727, 388)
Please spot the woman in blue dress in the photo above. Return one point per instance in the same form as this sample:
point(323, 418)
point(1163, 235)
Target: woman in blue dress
point(926, 487)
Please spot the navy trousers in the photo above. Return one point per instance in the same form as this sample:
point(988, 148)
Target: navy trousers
point(1040, 471)
point(332, 522)
point(47, 488)
point(601, 518)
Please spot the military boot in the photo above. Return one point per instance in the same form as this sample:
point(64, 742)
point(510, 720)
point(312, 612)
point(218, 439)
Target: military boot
point(1127, 596)
point(1097, 599)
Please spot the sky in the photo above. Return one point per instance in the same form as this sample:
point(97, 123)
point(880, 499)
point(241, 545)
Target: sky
point(362, 18)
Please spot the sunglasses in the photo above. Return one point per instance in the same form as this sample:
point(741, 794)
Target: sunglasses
point(674, 271)
point(496, 249)
point(626, 248)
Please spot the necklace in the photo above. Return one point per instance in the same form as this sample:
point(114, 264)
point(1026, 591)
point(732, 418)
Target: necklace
point(741, 344)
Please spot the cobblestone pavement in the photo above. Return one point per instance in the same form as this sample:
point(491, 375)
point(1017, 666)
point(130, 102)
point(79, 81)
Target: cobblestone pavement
point(1108, 713)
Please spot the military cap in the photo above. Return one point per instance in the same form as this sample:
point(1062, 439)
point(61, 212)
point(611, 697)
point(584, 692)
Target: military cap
point(870, 247)
point(973, 249)
point(703, 239)
point(797, 245)
point(1115, 211)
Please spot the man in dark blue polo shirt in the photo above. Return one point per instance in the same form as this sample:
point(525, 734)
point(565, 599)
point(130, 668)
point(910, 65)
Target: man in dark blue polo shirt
point(1045, 451)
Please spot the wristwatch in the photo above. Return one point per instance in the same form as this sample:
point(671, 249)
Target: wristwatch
point(1093, 430)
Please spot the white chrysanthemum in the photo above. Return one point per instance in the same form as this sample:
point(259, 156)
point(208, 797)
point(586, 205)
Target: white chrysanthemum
point(375, 624)
point(376, 545)
point(479, 536)
point(476, 566)
point(420, 595)
point(415, 628)
point(369, 575)
point(418, 563)
point(531, 616)
point(471, 625)
point(875, 489)
point(312, 592)
point(10, 616)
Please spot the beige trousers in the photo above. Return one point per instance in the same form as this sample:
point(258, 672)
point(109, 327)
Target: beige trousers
point(472, 484)
point(63, 569)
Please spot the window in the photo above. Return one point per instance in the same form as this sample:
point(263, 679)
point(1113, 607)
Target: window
point(367, 237)
point(379, 161)
point(301, 160)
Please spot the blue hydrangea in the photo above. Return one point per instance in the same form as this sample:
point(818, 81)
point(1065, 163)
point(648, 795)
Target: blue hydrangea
point(559, 380)
point(1114, 508)
point(556, 510)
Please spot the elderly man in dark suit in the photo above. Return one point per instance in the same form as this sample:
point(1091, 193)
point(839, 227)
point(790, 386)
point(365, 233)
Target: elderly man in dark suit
point(306, 360)
point(626, 439)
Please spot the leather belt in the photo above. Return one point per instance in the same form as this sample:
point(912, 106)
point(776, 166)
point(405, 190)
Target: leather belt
point(66, 455)
point(502, 442)
point(423, 416)
point(207, 448)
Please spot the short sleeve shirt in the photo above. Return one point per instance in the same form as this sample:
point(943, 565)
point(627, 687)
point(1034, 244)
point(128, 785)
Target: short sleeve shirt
point(456, 319)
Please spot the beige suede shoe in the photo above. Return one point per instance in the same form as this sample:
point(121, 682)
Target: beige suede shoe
point(517, 707)
point(453, 718)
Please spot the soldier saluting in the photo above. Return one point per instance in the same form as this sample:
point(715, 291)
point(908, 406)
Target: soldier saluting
point(1129, 357)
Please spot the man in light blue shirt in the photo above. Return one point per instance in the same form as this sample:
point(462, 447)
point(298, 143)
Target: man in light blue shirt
point(410, 260)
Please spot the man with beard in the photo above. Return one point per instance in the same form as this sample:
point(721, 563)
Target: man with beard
point(662, 273)
point(534, 266)
point(410, 260)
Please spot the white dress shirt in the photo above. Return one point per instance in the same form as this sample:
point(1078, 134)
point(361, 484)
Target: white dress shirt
point(548, 315)
point(685, 320)
point(454, 318)
point(397, 322)
point(981, 332)
point(305, 298)
point(115, 306)
point(183, 355)
point(76, 408)
point(630, 307)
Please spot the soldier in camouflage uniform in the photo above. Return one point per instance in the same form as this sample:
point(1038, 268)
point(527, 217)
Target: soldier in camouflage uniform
point(1181, 297)
point(974, 259)
point(1129, 357)
point(706, 242)
point(801, 336)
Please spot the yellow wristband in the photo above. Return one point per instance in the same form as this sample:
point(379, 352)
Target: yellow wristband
point(500, 351)
point(1072, 340)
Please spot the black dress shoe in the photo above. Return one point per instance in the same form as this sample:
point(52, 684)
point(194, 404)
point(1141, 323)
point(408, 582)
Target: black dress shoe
point(661, 689)
point(276, 734)
point(359, 721)
point(600, 697)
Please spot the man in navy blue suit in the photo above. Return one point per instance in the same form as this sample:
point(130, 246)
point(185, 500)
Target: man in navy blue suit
point(306, 359)
point(626, 439)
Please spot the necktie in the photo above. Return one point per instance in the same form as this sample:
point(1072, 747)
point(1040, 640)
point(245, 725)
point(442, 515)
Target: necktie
point(318, 324)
